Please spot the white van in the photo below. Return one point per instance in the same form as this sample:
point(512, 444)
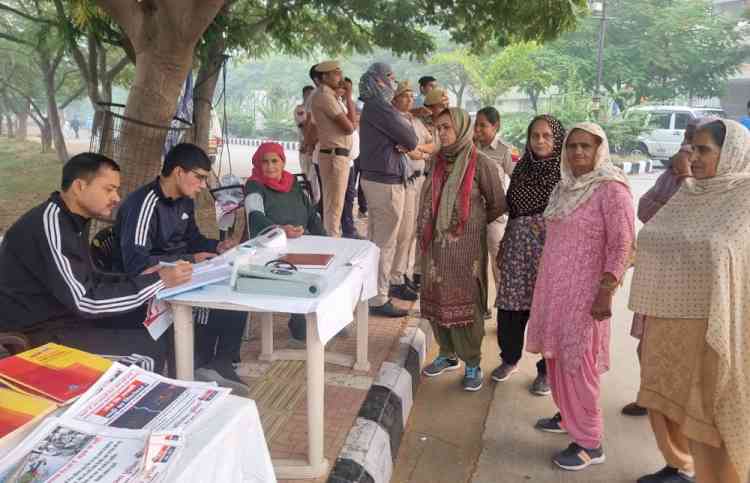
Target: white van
point(665, 127)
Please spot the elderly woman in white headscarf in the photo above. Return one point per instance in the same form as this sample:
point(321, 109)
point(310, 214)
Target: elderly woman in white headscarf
point(590, 232)
point(385, 136)
point(691, 282)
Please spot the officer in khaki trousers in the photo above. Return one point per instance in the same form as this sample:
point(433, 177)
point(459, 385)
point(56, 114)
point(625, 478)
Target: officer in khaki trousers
point(335, 127)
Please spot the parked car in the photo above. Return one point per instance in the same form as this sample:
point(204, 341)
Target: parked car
point(664, 128)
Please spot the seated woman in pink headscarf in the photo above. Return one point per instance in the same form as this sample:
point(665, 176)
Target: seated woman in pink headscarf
point(590, 233)
point(274, 198)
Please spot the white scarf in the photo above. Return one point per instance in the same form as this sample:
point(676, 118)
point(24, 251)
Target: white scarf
point(571, 192)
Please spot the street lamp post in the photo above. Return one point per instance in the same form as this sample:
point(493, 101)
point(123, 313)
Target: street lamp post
point(602, 8)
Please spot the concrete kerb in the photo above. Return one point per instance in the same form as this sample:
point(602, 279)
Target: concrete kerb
point(371, 447)
point(639, 167)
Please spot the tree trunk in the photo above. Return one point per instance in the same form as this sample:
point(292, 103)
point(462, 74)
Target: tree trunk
point(9, 123)
point(203, 93)
point(23, 126)
point(151, 104)
point(53, 114)
point(46, 133)
point(163, 35)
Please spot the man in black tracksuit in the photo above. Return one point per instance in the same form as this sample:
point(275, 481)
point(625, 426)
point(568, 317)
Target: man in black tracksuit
point(156, 223)
point(49, 288)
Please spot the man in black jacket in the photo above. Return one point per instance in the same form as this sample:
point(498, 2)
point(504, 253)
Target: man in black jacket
point(49, 288)
point(156, 224)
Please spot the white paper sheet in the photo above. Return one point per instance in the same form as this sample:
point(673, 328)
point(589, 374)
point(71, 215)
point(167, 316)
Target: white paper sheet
point(352, 276)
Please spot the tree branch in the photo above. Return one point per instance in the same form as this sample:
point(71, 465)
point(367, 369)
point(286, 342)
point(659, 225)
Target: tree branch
point(26, 15)
point(124, 14)
point(62, 79)
point(117, 68)
point(72, 44)
point(58, 58)
point(73, 97)
point(16, 40)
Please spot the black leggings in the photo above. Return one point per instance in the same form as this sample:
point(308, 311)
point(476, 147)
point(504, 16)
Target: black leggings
point(511, 328)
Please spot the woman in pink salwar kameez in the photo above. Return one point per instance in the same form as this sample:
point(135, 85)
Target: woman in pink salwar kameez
point(590, 232)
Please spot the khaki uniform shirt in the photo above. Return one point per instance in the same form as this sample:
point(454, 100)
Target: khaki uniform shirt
point(325, 108)
point(500, 153)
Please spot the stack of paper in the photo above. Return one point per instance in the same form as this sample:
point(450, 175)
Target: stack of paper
point(53, 371)
point(127, 426)
point(19, 411)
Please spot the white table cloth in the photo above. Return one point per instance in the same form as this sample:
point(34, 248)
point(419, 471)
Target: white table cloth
point(227, 445)
point(345, 285)
point(351, 280)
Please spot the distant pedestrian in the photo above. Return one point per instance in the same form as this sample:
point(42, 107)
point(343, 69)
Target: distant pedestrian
point(460, 198)
point(531, 185)
point(590, 234)
point(75, 125)
point(745, 120)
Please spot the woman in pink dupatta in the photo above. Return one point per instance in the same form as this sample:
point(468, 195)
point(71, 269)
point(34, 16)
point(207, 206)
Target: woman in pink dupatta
point(590, 232)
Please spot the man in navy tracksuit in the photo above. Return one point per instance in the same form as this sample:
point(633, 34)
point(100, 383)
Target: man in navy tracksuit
point(156, 223)
point(50, 290)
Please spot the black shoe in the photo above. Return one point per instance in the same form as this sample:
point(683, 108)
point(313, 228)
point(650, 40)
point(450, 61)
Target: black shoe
point(298, 327)
point(388, 310)
point(416, 279)
point(353, 236)
point(666, 475)
point(222, 373)
point(403, 292)
point(411, 283)
point(634, 409)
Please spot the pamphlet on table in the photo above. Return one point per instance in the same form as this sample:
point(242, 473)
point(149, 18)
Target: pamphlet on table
point(18, 411)
point(54, 371)
point(65, 450)
point(132, 398)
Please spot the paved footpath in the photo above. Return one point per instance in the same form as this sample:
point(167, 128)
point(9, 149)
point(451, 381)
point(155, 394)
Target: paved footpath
point(488, 437)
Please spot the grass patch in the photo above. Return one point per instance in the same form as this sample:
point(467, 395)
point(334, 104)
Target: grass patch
point(29, 176)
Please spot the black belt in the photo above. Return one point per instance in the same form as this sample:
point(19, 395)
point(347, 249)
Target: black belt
point(336, 151)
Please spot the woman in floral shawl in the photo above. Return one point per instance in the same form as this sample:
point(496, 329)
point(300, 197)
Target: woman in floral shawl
point(460, 198)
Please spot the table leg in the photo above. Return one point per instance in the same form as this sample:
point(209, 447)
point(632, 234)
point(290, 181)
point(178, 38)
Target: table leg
point(266, 337)
point(184, 340)
point(315, 396)
point(362, 316)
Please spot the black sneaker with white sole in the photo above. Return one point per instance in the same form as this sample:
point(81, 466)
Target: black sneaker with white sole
point(440, 365)
point(668, 474)
point(575, 457)
point(551, 425)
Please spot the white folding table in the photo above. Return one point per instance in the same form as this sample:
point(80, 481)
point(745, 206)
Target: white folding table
point(351, 280)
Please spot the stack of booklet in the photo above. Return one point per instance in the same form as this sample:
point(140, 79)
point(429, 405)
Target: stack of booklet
point(123, 425)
